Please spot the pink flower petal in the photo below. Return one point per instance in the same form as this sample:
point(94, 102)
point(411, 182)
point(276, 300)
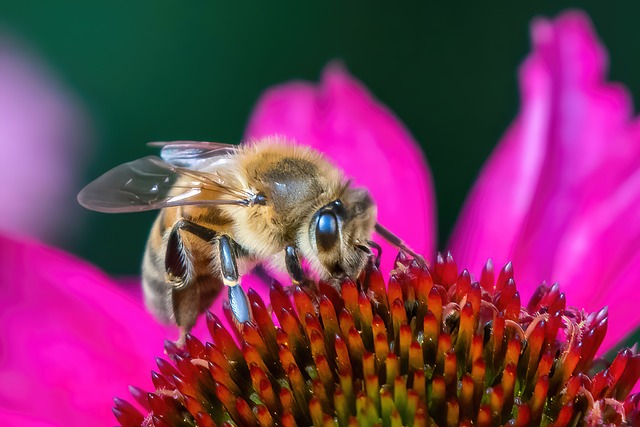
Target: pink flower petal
point(342, 119)
point(623, 297)
point(604, 268)
point(16, 419)
point(71, 340)
point(557, 195)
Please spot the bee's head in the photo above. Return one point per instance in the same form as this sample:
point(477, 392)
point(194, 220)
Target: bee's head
point(339, 232)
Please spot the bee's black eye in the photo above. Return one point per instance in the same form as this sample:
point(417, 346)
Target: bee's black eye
point(326, 230)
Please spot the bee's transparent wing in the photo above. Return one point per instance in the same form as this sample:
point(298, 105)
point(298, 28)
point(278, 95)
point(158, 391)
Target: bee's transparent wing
point(151, 183)
point(192, 154)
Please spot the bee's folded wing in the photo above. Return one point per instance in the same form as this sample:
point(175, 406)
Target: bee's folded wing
point(192, 154)
point(152, 183)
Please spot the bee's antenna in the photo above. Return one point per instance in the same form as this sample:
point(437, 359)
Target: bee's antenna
point(399, 244)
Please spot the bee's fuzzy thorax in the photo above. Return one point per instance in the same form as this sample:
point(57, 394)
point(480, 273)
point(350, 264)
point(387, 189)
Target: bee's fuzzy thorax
point(296, 181)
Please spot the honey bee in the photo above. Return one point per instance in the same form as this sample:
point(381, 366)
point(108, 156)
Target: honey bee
point(225, 208)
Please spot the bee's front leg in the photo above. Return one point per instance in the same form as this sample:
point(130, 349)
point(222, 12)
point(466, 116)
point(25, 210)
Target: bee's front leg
point(378, 255)
point(237, 297)
point(296, 273)
point(293, 265)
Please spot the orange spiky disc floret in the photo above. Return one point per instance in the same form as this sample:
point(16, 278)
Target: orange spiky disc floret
point(429, 348)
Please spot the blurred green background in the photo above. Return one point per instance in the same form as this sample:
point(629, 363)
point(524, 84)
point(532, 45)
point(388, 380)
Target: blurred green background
point(164, 70)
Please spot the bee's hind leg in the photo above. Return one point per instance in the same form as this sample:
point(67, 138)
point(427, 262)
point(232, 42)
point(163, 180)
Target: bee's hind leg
point(237, 297)
point(189, 296)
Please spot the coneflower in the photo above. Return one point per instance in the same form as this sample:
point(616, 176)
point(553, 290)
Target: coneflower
point(429, 348)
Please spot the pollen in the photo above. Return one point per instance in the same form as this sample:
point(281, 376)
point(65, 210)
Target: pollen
point(430, 347)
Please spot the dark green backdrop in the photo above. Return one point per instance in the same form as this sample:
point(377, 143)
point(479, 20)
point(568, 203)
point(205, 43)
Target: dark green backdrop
point(159, 70)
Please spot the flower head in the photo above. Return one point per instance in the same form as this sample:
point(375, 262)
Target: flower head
point(428, 348)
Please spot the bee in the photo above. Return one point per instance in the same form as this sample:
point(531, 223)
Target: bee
point(226, 208)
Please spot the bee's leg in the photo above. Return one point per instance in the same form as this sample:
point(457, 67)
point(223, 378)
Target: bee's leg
point(293, 265)
point(185, 309)
point(298, 278)
point(175, 260)
point(186, 296)
point(378, 249)
point(237, 297)
point(175, 266)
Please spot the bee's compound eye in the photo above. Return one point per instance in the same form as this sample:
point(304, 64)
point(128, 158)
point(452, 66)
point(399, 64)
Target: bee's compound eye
point(326, 230)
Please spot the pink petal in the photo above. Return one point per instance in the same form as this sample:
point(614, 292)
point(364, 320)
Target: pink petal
point(342, 119)
point(604, 266)
point(71, 340)
point(623, 297)
point(557, 195)
point(16, 419)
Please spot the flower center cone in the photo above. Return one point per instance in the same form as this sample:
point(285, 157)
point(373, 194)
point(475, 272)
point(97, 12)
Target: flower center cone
point(428, 348)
